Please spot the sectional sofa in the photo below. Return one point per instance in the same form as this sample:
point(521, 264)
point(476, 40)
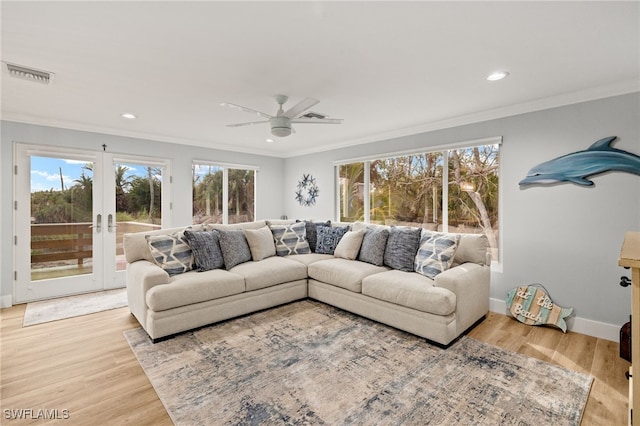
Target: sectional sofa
point(430, 284)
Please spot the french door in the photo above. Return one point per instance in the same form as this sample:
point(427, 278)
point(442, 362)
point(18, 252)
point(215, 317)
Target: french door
point(72, 209)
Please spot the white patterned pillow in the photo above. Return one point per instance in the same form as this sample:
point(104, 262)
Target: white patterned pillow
point(435, 253)
point(171, 252)
point(290, 239)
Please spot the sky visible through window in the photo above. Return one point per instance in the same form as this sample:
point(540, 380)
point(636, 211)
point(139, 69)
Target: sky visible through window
point(46, 171)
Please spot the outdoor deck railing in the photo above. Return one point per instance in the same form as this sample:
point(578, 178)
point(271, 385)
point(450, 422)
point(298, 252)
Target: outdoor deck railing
point(53, 242)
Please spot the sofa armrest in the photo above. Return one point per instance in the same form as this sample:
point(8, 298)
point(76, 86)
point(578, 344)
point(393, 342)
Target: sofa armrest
point(471, 284)
point(142, 275)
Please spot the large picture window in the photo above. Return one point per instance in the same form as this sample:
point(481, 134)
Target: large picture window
point(223, 193)
point(449, 190)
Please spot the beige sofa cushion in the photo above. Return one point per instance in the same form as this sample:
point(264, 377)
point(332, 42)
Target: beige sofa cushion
point(471, 248)
point(349, 245)
point(344, 273)
point(260, 242)
point(194, 287)
point(243, 225)
point(410, 289)
point(269, 272)
point(308, 259)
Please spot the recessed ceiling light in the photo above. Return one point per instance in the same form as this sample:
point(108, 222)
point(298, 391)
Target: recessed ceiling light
point(270, 140)
point(128, 115)
point(498, 75)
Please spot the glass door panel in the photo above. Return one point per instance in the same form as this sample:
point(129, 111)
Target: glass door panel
point(61, 217)
point(138, 202)
point(72, 209)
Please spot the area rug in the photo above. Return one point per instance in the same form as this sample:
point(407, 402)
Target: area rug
point(309, 363)
point(73, 306)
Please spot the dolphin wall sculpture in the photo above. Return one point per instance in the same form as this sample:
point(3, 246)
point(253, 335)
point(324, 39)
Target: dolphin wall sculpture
point(578, 166)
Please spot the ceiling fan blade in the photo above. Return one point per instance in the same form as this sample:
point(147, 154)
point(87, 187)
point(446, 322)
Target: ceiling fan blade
point(250, 123)
point(317, 120)
point(300, 107)
point(245, 109)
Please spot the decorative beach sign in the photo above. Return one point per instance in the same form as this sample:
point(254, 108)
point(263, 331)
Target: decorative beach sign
point(578, 166)
point(532, 305)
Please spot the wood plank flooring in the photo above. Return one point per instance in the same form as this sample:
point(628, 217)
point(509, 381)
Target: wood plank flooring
point(85, 366)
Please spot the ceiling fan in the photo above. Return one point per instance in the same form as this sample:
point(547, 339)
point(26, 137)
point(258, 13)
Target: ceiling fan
point(282, 120)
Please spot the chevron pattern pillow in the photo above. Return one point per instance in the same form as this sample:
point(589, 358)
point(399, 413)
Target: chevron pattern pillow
point(171, 252)
point(435, 253)
point(290, 239)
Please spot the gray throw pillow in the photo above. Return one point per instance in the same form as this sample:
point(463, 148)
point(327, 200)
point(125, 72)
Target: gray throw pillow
point(312, 232)
point(234, 246)
point(373, 246)
point(402, 246)
point(206, 249)
point(328, 238)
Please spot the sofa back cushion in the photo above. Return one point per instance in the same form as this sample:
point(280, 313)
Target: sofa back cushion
point(243, 225)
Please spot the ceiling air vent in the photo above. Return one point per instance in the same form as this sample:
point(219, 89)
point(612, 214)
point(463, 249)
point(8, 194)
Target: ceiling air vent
point(31, 74)
point(312, 114)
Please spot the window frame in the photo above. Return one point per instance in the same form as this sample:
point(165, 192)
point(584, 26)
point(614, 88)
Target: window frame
point(496, 264)
point(225, 184)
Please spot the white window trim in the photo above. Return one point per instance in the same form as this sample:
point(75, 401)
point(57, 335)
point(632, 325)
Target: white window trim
point(495, 140)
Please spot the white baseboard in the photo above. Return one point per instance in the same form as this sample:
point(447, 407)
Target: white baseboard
point(597, 329)
point(6, 301)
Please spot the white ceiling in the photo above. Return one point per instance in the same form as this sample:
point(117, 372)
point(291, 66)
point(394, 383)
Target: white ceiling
point(386, 68)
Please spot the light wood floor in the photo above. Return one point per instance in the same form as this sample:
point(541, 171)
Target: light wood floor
point(85, 366)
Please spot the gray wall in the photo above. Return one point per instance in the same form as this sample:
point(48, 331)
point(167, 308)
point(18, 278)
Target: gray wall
point(566, 237)
point(269, 181)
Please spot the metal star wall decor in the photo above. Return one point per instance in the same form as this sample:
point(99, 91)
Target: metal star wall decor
point(307, 191)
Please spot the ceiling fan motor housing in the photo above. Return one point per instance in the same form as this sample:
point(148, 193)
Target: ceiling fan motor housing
point(280, 126)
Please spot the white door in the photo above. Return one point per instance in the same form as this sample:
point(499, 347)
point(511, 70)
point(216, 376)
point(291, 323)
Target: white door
point(71, 209)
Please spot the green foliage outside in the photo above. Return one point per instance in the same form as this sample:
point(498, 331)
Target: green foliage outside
point(409, 190)
point(138, 198)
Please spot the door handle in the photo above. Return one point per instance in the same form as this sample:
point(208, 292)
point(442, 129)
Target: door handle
point(110, 225)
point(98, 223)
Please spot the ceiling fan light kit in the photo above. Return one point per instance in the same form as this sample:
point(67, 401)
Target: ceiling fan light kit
point(282, 121)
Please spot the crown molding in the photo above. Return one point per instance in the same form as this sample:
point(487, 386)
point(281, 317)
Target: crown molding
point(600, 92)
point(42, 121)
point(591, 94)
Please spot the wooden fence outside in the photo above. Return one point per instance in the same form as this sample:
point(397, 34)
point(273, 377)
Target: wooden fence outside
point(52, 242)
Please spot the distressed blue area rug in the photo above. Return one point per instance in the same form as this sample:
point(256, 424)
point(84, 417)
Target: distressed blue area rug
point(309, 363)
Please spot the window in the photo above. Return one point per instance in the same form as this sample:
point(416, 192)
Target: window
point(351, 177)
point(223, 194)
point(449, 190)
